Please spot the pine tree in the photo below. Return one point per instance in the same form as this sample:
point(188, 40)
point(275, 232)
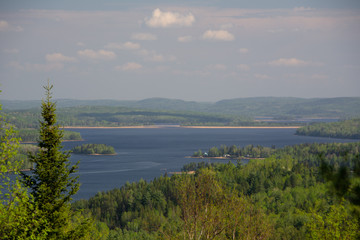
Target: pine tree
point(52, 183)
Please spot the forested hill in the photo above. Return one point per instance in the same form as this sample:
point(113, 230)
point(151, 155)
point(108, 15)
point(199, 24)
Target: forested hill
point(258, 106)
point(283, 196)
point(343, 129)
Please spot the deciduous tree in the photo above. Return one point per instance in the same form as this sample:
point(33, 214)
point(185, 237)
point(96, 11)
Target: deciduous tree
point(16, 212)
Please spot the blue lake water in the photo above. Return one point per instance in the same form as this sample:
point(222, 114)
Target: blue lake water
point(148, 153)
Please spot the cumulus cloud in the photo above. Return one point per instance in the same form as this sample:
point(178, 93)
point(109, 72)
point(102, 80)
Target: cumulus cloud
point(185, 39)
point(169, 19)
point(130, 66)
point(58, 57)
point(221, 35)
point(123, 46)
point(144, 36)
point(96, 55)
point(293, 62)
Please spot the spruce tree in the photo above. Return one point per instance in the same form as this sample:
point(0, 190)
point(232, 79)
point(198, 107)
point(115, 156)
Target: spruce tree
point(52, 183)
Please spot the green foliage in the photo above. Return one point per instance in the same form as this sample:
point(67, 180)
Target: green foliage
point(287, 108)
point(209, 211)
point(344, 180)
point(32, 135)
point(16, 212)
point(96, 116)
point(135, 206)
point(343, 129)
point(92, 148)
point(22, 156)
point(51, 182)
point(335, 223)
point(290, 107)
point(228, 201)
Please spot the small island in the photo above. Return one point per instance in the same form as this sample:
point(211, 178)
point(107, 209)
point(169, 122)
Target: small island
point(94, 149)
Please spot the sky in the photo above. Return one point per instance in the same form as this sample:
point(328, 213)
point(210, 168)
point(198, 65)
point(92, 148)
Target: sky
point(199, 50)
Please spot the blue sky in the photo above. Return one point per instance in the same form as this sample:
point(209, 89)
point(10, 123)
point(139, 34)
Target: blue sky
point(191, 50)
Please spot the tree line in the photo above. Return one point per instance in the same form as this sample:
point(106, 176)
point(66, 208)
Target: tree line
point(92, 148)
point(249, 151)
point(284, 196)
point(32, 135)
point(342, 129)
point(307, 191)
point(96, 116)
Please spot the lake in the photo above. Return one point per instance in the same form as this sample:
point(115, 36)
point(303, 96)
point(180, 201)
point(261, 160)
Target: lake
point(150, 152)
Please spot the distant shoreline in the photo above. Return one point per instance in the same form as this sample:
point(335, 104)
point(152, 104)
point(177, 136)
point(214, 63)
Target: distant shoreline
point(177, 126)
point(241, 127)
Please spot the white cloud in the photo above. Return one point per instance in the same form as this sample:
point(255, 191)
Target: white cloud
point(144, 36)
point(185, 39)
point(5, 26)
point(58, 57)
point(80, 44)
point(123, 46)
point(221, 35)
point(131, 45)
point(130, 66)
point(243, 67)
point(153, 56)
point(96, 55)
point(293, 62)
point(168, 19)
point(243, 50)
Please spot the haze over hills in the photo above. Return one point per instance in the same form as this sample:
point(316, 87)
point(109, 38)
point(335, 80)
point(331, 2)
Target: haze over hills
point(256, 106)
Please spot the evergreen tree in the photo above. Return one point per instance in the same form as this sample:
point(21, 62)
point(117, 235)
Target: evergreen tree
point(51, 182)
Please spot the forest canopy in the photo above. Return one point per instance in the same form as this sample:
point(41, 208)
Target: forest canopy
point(92, 148)
point(342, 129)
point(284, 196)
